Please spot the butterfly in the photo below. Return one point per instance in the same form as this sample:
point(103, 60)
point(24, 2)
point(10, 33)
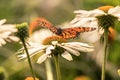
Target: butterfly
point(66, 33)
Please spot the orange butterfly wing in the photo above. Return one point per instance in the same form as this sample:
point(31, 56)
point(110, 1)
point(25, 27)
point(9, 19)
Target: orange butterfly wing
point(66, 33)
point(73, 32)
point(41, 22)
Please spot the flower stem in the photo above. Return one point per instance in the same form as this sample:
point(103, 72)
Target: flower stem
point(57, 67)
point(49, 71)
point(104, 55)
point(28, 57)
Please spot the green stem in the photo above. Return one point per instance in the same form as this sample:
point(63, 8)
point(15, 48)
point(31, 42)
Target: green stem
point(49, 71)
point(28, 57)
point(57, 67)
point(104, 54)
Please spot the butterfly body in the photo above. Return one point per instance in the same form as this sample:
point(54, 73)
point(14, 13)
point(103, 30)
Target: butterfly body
point(59, 31)
point(66, 33)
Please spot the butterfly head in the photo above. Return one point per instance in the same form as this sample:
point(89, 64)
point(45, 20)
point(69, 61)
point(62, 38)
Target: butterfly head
point(59, 31)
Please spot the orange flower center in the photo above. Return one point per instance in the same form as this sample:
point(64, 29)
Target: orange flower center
point(105, 8)
point(49, 40)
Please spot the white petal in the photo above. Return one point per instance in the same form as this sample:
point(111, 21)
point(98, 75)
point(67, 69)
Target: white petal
point(95, 12)
point(8, 27)
point(34, 44)
point(114, 11)
point(78, 43)
point(3, 36)
point(48, 50)
point(72, 51)
point(86, 22)
point(79, 15)
point(42, 58)
point(81, 12)
point(75, 20)
point(6, 33)
point(0, 44)
point(67, 56)
point(14, 38)
point(2, 41)
point(22, 56)
point(2, 21)
point(80, 48)
point(33, 50)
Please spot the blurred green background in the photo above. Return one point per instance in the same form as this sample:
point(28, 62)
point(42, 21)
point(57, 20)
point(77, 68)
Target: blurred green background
point(57, 12)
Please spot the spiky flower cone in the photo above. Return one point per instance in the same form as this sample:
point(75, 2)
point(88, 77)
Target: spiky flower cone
point(22, 33)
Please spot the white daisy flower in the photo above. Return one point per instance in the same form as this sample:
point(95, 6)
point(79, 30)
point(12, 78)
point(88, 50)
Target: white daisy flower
point(55, 47)
point(83, 18)
point(115, 11)
point(6, 32)
point(95, 18)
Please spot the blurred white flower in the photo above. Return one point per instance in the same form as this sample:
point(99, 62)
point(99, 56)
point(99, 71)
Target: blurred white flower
point(88, 19)
point(119, 72)
point(63, 49)
point(7, 32)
